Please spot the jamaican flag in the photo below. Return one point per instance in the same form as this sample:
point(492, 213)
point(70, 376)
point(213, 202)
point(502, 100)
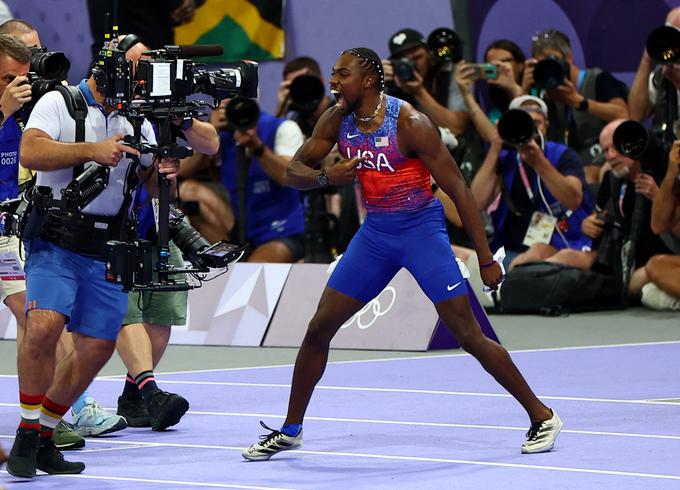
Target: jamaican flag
point(248, 29)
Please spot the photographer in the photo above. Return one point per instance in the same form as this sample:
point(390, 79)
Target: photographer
point(432, 88)
point(538, 192)
point(580, 101)
point(69, 255)
point(274, 216)
point(663, 271)
point(509, 82)
point(615, 205)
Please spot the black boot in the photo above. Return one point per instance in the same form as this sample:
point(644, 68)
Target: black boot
point(22, 458)
point(132, 408)
point(51, 461)
point(166, 409)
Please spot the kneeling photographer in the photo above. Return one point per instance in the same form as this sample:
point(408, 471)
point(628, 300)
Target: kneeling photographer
point(623, 241)
point(535, 190)
point(255, 150)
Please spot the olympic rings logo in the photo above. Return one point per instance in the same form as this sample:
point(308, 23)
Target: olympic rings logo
point(374, 309)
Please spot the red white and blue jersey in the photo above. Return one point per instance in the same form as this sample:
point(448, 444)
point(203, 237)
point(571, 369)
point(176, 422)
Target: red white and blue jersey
point(390, 181)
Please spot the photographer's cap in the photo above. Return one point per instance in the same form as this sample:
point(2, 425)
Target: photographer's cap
point(405, 39)
point(518, 102)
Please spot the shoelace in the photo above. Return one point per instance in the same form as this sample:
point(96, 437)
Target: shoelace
point(271, 437)
point(533, 431)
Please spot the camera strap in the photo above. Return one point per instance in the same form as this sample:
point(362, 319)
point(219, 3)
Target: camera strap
point(77, 109)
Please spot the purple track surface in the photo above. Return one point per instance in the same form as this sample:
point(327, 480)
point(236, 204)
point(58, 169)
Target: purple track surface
point(438, 422)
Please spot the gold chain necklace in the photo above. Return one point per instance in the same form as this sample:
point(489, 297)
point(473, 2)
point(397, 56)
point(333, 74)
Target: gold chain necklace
point(375, 112)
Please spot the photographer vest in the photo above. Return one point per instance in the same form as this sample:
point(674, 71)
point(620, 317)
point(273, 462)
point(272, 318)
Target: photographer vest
point(579, 130)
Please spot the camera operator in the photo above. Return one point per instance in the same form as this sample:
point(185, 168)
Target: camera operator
point(655, 90)
point(69, 256)
point(581, 101)
point(144, 337)
point(538, 192)
point(509, 82)
point(614, 210)
point(663, 271)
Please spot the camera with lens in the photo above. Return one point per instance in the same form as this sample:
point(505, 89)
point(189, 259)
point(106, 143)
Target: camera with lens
point(242, 114)
point(48, 69)
point(663, 45)
point(516, 128)
point(550, 73)
point(404, 69)
point(306, 93)
point(633, 140)
point(445, 45)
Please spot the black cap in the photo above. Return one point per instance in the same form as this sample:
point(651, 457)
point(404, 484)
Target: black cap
point(405, 39)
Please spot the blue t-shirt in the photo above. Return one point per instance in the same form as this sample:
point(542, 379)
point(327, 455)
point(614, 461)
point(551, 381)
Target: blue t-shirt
point(10, 137)
point(272, 210)
point(511, 225)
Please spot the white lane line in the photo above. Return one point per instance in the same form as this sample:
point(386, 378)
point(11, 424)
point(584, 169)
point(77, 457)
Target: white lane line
point(436, 356)
point(419, 392)
point(423, 459)
point(80, 451)
point(163, 482)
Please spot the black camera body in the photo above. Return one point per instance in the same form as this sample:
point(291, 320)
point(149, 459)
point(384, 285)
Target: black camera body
point(404, 69)
point(48, 69)
point(550, 73)
point(633, 140)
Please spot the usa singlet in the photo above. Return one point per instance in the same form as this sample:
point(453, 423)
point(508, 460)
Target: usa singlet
point(404, 224)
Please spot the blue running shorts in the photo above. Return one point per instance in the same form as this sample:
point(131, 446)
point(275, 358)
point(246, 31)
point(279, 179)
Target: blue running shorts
point(74, 285)
point(386, 242)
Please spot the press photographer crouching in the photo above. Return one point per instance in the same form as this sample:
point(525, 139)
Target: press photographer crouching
point(255, 150)
point(535, 190)
point(623, 241)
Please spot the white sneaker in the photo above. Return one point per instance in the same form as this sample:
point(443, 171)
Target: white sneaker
point(93, 420)
point(541, 436)
point(658, 299)
point(272, 443)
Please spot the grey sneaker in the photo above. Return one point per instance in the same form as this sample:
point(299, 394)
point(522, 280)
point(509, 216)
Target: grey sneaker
point(93, 420)
point(67, 437)
point(273, 443)
point(541, 436)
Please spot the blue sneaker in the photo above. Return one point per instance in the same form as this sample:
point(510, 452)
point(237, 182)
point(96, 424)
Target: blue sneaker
point(93, 420)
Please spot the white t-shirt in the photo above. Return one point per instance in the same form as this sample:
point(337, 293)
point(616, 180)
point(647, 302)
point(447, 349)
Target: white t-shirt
point(51, 116)
point(288, 139)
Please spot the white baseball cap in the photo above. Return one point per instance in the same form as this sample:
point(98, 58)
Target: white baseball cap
point(518, 102)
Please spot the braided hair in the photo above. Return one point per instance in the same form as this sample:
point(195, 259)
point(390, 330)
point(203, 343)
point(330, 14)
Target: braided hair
point(369, 62)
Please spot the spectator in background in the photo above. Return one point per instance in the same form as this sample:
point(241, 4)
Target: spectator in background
point(581, 106)
point(274, 216)
point(152, 20)
point(509, 58)
point(655, 90)
point(614, 207)
point(541, 185)
point(663, 271)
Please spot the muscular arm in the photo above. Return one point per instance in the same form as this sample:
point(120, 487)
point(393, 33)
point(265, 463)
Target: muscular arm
point(418, 135)
point(616, 108)
point(202, 137)
point(40, 152)
point(300, 172)
point(639, 105)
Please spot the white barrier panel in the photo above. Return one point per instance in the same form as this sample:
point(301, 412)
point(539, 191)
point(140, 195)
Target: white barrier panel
point(8, 324)
point(235, 308)
point(401, 317)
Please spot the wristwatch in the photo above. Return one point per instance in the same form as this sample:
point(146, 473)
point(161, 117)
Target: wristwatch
point(583, 105)
point(187, 122)
point(258, 151)
point(323, 179)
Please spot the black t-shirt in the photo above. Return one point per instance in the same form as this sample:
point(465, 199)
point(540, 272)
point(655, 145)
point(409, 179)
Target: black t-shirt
point(515, 227)
point(649, 243)
point(607, 87)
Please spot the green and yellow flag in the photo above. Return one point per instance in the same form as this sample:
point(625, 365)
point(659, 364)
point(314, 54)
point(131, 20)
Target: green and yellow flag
point(248, 29)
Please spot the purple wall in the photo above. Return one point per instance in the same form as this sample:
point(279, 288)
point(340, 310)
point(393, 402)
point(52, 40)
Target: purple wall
point(606, 33)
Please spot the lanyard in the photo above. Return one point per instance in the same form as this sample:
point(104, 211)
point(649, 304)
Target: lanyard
point(525, 180)
point(622, 194)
